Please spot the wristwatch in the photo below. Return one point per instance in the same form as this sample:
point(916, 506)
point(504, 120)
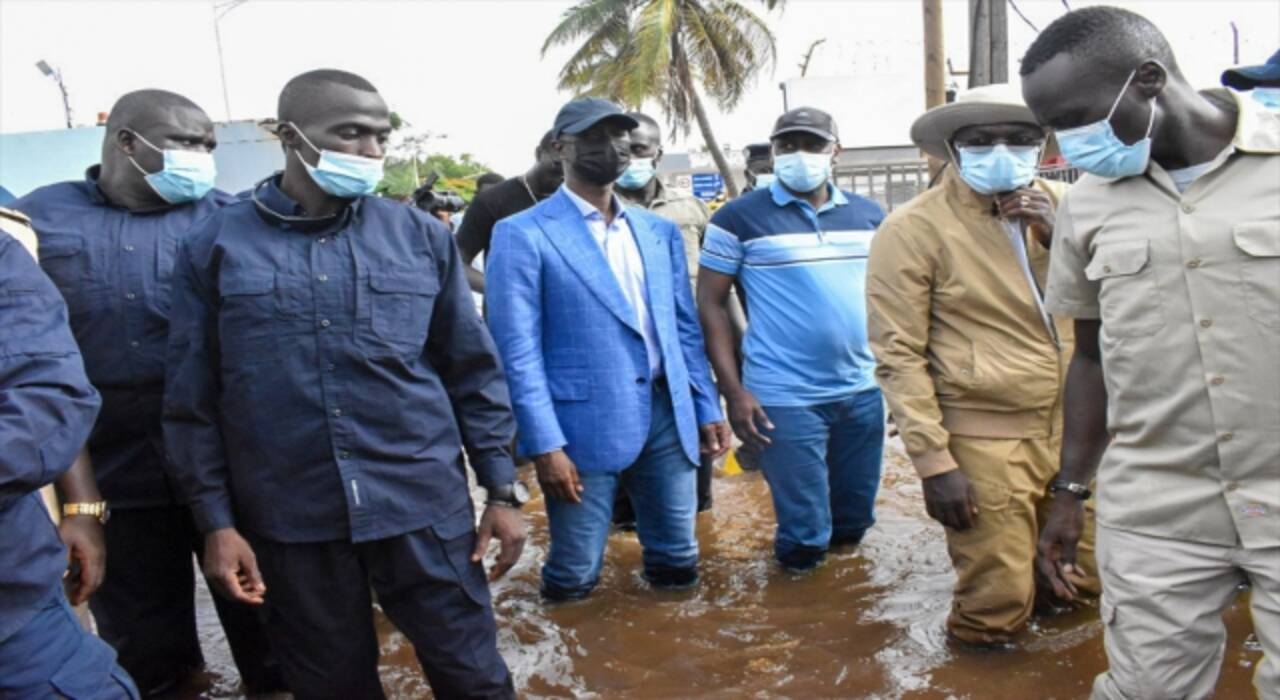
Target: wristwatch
point(1080, 491)
point(96, 509)
point(512, 495)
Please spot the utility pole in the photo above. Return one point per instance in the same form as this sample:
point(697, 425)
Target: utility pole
point(220, 10)
point(935, 58)
point(56, 75)
point(988, 42)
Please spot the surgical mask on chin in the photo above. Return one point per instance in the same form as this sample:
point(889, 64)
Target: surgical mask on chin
point(185, 177)
point(637, 175)
point(1095, 148)
point(765, 180)
point(1268, 97)
point(343, 175)
point(999, 168)
point(802, 171)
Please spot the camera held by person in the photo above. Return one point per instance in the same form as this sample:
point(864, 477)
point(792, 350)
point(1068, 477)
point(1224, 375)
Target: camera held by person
point(442, 204)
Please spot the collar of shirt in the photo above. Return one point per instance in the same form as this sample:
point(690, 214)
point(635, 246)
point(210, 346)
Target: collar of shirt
point(588, 210)
point(783, 196)
point(282, 210)
point(96, 195)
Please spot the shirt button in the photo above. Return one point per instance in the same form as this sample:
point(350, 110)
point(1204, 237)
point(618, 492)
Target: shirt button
point(1187, 208)
point(1206, 322)
point(1193, 264)
point(130, 296)
point(323, 278)
point(128, 248)
point(322, 239)
point(134, 343)
point(1106, 268)
point(344, 455)
point(1226, 437)
point(325, 323)
point(1231, 486)
point(639, 380)
point(330, 367)
point(337, 413)
point(1217, 381)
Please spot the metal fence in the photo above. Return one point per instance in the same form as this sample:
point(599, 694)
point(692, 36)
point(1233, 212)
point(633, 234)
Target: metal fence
point(897, 182)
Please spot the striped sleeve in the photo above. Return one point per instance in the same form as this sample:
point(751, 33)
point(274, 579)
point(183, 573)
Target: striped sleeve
point(721, 251)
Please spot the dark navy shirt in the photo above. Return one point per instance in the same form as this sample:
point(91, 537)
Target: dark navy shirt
point(325, 375)
point(47, 407)
point(113, 267)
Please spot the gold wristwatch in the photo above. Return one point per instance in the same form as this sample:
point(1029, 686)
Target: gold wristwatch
point(97, 509)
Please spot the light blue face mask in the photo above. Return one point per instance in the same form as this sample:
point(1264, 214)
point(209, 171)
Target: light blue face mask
point(765, 180)
point(1095, 148)
point(1268, 97)
point(185, 177)
point(999, 168)
point(803, 171)
point(637, 175)
point(342, 174)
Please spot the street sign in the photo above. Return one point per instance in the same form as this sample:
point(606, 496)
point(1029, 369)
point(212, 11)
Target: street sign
point(706, 186)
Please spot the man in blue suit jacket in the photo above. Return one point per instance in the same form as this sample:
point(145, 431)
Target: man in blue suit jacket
point(590, 305)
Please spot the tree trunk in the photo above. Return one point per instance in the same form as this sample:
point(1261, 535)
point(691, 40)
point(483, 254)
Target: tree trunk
point(704, 125)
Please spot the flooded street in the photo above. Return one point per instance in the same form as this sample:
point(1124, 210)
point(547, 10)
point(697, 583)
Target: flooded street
point(867, 624)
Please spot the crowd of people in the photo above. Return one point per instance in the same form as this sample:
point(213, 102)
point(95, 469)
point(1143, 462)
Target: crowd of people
point(290, 383)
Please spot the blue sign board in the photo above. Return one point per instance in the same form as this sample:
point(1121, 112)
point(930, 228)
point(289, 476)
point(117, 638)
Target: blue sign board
point(706, 186)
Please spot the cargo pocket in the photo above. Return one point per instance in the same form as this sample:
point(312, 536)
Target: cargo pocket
point(400, 306)
point(247, 316)
point(1129, 296)
point(1260, 270)
point(91, 673)
point(63, 258)
point(993, 496)
point(457, 537)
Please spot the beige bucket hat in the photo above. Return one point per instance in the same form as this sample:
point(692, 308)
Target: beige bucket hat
point(989, 104)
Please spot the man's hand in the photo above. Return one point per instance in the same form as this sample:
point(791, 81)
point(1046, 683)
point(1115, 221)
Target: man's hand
point(714, 439)
point(232, 568)
point(748, 418)
point(950, 499)
point(1033, 206)
point(506, 525)
point(558, 477)
point(1056, 551)
point(87, 549)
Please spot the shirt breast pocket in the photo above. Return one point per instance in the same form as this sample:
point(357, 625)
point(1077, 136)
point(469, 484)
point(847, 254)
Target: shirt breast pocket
point(69, 262)
point(1259, 241)
point(247, 316)
point(400, 306)
point(1129, 296)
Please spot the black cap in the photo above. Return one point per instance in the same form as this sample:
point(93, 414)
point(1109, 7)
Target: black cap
point(757, 150)
point(808, 120)
point(585, 112)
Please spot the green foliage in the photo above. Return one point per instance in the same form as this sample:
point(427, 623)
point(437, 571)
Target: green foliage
point(458, 174)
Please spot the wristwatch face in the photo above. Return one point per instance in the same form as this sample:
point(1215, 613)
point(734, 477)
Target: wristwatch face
point(520, 492)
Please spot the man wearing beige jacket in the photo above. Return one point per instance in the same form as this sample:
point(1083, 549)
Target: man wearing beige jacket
point(971, 363)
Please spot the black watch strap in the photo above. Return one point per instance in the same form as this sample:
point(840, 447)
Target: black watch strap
point(1080, 491)
point(512, 495)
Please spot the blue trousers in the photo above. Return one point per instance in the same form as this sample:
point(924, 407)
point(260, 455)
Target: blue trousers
point(662, 483)
point(52, 656)
point(320, 613)
point(823, 470)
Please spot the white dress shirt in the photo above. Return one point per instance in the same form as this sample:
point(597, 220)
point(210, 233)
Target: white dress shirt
point(618, 244)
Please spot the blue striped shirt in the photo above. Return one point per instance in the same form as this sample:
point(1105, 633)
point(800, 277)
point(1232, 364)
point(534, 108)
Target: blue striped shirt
point(804, 274)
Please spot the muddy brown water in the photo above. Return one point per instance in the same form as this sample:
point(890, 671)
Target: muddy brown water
point(867, 624)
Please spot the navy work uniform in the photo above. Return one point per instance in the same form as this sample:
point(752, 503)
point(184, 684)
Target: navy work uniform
point(114, 268)
point(47, 407)
point(324, 376)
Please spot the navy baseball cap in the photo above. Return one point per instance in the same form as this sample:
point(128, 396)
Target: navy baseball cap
point(585, 112)
point(1249, 77)
point(808, 120)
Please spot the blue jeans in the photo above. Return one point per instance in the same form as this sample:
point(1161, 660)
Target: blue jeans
point(662, 483)
point(53, 656)
point(823, 469)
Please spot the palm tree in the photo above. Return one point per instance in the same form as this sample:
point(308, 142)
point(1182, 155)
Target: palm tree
point(665, 50)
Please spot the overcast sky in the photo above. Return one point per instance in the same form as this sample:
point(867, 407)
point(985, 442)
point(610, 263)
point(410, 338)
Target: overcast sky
point(471, 69)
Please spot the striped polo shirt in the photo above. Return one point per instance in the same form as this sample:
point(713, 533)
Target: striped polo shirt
point(804, 274)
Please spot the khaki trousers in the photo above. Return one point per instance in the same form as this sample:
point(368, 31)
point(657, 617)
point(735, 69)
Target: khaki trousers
point(996, 578)
point(1162, 615)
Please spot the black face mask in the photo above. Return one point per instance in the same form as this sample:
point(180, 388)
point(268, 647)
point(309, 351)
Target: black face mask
point(600, 163)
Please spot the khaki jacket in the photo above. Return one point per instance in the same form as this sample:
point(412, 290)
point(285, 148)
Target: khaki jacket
point(960, 345)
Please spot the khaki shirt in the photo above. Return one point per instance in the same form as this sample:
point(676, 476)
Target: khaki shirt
point(961, 346)
point(1187, 287)
point(689, 213)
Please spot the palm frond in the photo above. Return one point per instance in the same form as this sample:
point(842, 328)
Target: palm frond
point(586, 18)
